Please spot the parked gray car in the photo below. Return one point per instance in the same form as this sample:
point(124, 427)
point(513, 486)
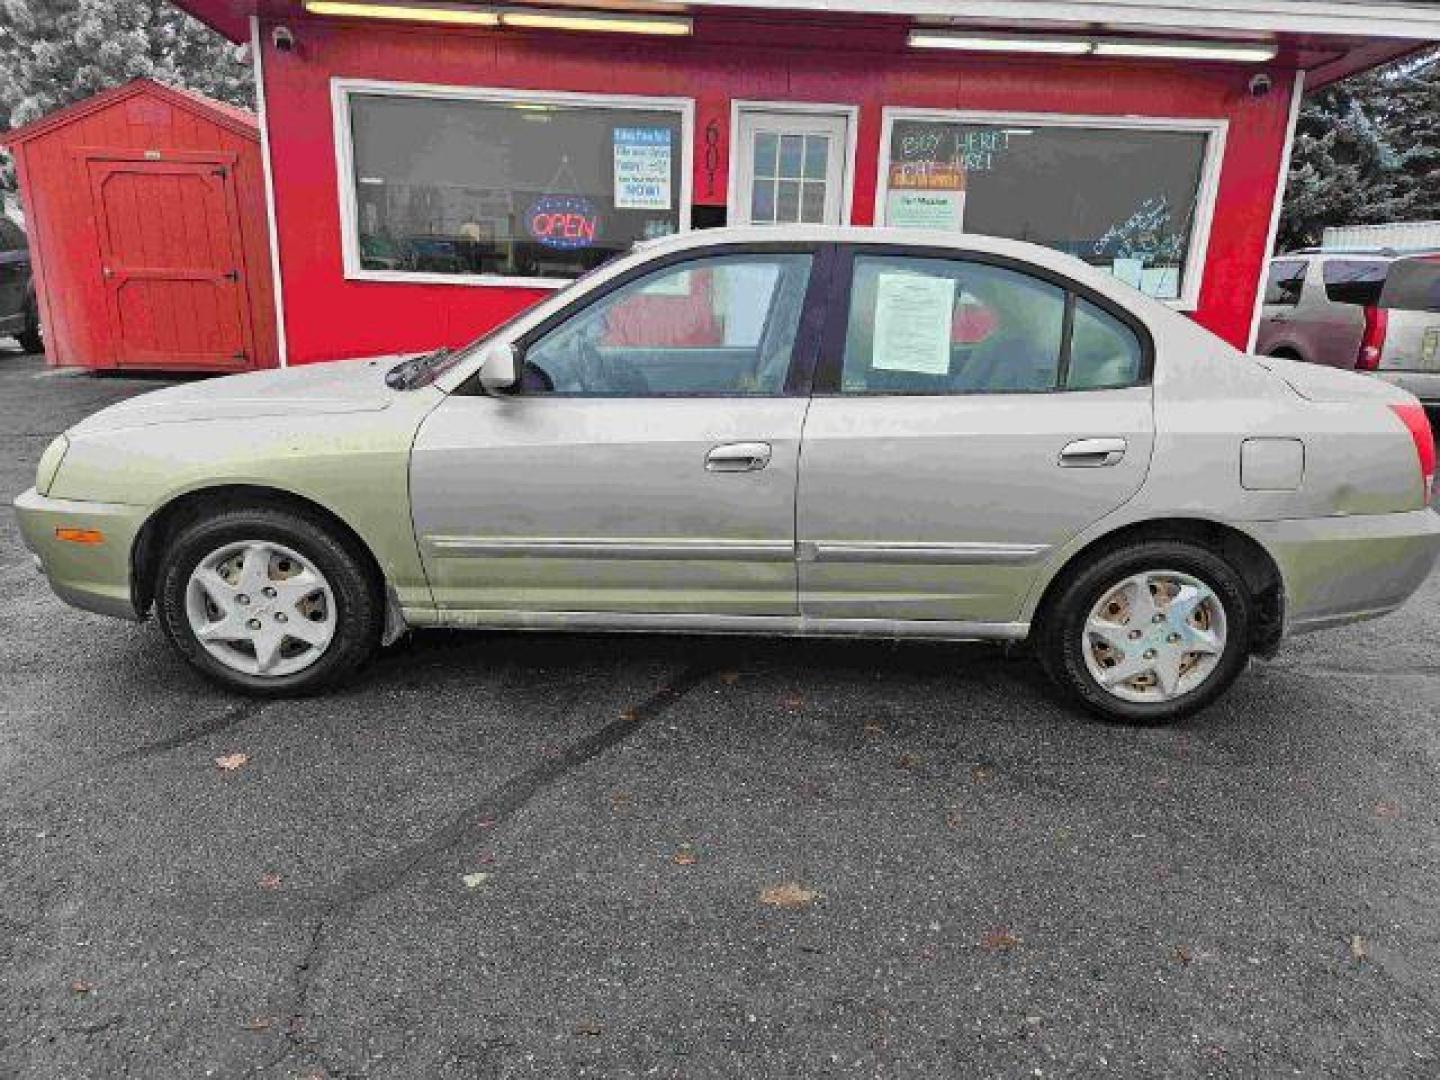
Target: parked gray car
point(19, 312)
point(1322, 307)
point(842, 432)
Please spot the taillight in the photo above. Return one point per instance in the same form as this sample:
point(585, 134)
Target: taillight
point(1372, 344)
point(1412, 415)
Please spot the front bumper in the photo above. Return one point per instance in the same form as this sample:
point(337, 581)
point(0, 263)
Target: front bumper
point(94, 577)
point(1343, 569)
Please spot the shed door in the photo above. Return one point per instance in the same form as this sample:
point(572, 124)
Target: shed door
point(170, 257)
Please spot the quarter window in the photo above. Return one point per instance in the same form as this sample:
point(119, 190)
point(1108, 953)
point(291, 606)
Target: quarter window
point(938, 326)
point(1104, 352)
point(1285, 283)
point(721, 326)
point(492, 185)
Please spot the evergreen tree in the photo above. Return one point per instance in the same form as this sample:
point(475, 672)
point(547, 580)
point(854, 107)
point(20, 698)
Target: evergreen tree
point(53, 52)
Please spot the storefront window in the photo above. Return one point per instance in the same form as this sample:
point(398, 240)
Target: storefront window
point(539, 189)
point(1132, 199)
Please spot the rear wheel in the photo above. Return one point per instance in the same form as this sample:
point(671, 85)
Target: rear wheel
point(31, 339)
point(1148, 633)
point(268, 602)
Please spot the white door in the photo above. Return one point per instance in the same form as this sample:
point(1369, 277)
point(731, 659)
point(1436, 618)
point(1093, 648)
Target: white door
point(792, 167)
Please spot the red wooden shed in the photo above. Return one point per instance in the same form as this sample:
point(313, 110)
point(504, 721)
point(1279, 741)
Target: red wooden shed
point(148, 231)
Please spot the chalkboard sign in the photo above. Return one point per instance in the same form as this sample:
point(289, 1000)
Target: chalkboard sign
point(1121, 198)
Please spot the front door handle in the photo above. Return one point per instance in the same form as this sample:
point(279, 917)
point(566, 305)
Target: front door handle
point(738, 457)
point(1092, 453)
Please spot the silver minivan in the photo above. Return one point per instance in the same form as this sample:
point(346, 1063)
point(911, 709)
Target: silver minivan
point(1323, 307)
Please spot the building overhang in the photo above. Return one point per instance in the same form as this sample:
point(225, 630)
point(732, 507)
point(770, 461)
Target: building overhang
point(1327, 39)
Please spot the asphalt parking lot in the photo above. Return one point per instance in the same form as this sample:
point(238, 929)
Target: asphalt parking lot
point(514, 856)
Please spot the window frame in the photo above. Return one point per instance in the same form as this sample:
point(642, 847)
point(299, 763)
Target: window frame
point(343, 89)
point(828, 380)
point(804, 356)
point(1215, 129)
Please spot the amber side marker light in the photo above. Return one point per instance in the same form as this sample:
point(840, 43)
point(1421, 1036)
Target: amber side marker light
point(80, 536)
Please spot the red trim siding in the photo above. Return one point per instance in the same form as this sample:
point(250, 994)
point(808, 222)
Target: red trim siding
point(331, 317)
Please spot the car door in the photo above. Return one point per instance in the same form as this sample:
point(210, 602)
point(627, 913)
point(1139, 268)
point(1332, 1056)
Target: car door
point(971, 415)
point(14, 274)
point(1283, 286)
point(647, 464)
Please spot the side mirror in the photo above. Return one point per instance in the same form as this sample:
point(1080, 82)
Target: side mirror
point(499, 370)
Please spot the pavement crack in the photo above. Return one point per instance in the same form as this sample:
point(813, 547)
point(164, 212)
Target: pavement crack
point(363, 884)
point(231, 717)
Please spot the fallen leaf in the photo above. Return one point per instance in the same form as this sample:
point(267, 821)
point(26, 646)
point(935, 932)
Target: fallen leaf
point(873, 728)
point(589, 1027)
point(909, 761)
point(1357, 948)
point(789, 895)
point(630, 715)
point(979, 774)
point(729, 678)
point(1387, 810)
point(1183, 955)
point(270, 881)
point(259, 1023)
point(684, 857)
point(622, 800)
point(954, 820)
point(81, 986)
point(231, 762)
point(474, 881)
point(792, 701)
point(998, 940)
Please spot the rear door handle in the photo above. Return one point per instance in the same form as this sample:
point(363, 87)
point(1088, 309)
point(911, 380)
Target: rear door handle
point(738, 457)
point(1092, 453)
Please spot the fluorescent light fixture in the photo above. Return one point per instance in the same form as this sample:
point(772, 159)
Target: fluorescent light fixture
point(1242, 52)
point(431, 13)
point(939, 39)
point(603, 22)
point(1239, 52)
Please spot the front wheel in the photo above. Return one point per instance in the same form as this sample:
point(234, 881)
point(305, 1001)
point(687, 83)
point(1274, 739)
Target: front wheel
point(1148, 633)
point(268, 602)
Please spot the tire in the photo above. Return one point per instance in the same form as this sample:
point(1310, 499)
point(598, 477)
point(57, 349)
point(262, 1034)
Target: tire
point(1065, 636)
point(348, 601)
point(31, 339)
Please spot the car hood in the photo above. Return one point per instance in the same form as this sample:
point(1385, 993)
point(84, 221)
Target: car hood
point(1319, 383)
point(342, 386)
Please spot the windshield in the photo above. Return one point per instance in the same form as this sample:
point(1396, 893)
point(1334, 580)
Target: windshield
point(467, 351)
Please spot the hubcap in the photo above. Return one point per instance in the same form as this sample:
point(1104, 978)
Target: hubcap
point(1154, 636)
point(261, 608)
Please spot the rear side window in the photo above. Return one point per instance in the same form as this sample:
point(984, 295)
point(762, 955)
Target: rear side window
point(11, 235)
point(937, 326)
point(1354, 281)
point(1285, 283)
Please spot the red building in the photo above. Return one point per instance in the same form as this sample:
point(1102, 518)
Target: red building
point(433, 168)
point(148, 232)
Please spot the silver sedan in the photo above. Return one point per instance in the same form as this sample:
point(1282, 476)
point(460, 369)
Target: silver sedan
point(834, 433)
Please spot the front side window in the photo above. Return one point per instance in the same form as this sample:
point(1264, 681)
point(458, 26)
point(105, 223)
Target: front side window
point(724, 325)
point(1129, 199)
point(1354, 281)
point(1285, 283)
point(937, 326)
point(531, 189)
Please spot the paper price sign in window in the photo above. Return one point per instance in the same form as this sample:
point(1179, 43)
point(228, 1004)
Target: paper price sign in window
point(913, 318)
point(642, 168)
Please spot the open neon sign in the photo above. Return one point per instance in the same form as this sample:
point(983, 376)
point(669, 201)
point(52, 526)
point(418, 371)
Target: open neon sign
point(566, 222)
